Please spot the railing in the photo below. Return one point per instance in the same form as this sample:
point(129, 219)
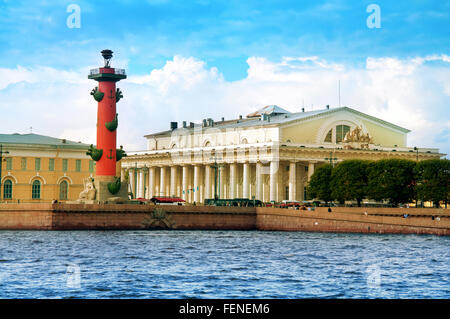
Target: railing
point(94, 71)
point(116, 71)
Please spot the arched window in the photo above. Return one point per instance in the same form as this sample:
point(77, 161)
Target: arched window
point(207, 144)
point(337, 133)
point(36, 190)
point(329, 137)
point(7, 189)
point(63, 190)
point(341, 130)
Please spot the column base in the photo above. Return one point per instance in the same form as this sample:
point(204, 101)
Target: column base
point(96, 190)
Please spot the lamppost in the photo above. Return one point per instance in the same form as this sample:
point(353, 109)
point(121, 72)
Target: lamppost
point(1, 164)
point(216, 167)
point(331, 159)
point(145, 178)
point(417, 153)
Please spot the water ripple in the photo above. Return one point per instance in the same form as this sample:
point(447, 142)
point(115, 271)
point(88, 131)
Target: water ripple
point(221, 264)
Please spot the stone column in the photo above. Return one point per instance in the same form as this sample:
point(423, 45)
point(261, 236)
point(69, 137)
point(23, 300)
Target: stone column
point(310, 170)
point(179, 181)
point(258, 181)
point(207, 181)
point(221, 183)
point(196, 183)
point(173, 180)
point(151, 182)
point(185, 183)
point(292, 181)
point(301, 180)
point(245, 180)
point(141, 183)
point(131, 179)
point(162, 181)
point(190, 186)
point(214, 182)
point(201, 179)
point(273, 180)
point(136, 183)
point(232, 180)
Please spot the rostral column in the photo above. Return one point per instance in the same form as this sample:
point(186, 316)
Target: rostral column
point(106, 153)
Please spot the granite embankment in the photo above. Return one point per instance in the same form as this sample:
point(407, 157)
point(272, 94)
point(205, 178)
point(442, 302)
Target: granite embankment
point(131, 216)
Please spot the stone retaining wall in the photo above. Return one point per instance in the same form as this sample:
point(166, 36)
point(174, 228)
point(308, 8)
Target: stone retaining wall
point(131, 216)
point(321, 220)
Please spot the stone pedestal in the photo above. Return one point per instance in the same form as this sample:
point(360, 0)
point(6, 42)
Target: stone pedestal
point(103, 194)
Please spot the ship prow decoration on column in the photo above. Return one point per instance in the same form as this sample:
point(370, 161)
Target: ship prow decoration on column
point(109, 187)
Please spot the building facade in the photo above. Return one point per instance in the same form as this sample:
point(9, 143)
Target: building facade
point(40, 168)
point(269, 155)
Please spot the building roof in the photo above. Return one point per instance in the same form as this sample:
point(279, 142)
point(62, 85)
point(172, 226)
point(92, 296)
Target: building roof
point(37, 139)
point(278, 116)
point(269, 110)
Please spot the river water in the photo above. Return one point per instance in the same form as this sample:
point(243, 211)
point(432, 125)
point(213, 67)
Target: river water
point(221, 264)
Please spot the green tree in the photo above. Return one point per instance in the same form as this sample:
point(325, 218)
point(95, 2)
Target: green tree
point(349, 180)
point(392, 180)
point(432, 180)
point(319, 185)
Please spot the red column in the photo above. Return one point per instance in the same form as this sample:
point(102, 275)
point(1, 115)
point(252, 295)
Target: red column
point(106, 140)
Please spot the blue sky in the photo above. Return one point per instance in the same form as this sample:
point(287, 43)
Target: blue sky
point(222, 33)
point(222, 42)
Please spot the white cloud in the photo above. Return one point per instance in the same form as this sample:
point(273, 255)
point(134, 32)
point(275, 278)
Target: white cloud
point(413, 93)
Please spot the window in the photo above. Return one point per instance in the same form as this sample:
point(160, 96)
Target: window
point(329, 137)
point(78, 166)
point(51, 164)
point(37, 164)
point(64, 165)
point(91, 166)
point(341, 130)
point(63, 190)
point(7, 189)
point(23, 163)
point(36, 190)
point(8, 163)
point(286, 195)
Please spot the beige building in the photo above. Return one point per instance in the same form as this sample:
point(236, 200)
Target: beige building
point(37, 168)
point(268, 155)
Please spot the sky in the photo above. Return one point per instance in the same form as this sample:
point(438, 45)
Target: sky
point(189, 60)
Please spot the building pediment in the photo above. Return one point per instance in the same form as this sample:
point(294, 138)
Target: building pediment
point(331, 127)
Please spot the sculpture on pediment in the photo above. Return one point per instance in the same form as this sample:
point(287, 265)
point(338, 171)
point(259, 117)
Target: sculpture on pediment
point(357, 139)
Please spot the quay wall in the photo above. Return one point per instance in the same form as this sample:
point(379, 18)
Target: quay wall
point(26, 216)
point(41, 216)
point(352, 221)
point(123, 216)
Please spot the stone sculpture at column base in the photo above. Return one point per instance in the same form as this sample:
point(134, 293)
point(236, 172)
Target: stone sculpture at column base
point(103, 189)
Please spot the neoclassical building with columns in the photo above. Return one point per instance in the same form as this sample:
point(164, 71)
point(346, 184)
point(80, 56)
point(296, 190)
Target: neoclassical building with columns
point(268, 155)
